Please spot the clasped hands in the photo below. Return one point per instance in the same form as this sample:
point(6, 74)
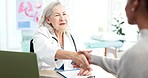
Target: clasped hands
point(82, 61)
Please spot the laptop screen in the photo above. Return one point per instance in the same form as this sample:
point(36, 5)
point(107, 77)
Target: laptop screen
point(18, 65)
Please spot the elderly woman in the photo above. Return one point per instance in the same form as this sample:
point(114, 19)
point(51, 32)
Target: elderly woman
point(55, 46)
point(133, 63)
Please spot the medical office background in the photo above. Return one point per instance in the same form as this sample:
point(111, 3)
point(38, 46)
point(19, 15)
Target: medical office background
point(87, 18)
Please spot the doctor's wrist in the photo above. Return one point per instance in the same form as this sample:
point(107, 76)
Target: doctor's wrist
point(72, 55)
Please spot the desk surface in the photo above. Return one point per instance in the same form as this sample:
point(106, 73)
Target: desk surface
point(66, 74)
point(97, 71)
point(49, 74)
point(102, 44)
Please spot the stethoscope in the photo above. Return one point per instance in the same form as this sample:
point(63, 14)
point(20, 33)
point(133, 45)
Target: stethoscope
point(72, 40)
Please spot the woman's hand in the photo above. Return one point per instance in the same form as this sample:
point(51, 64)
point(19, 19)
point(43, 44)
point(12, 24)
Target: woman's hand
point(83, 72)
point(81, 61)
point(87, 54)
point(77, 57)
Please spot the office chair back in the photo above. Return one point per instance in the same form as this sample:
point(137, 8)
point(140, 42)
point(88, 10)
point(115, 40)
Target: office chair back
point(31, 46)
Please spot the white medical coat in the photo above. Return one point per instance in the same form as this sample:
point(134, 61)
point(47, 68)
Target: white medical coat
point(45, 46)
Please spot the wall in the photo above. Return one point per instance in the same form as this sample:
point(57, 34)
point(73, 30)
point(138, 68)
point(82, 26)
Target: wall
point(3, 28)
point(87, 17)
point(10, 36)
point(14, 34)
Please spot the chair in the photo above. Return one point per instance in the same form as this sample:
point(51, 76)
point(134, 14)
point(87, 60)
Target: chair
point(111, 50)
point(31, 46)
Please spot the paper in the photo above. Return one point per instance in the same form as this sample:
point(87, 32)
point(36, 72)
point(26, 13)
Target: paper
point(71, 74)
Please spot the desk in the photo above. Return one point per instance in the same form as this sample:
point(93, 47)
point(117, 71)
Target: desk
point(90, 44)
point(49, 74)
point(54, 74)
point(97, 71)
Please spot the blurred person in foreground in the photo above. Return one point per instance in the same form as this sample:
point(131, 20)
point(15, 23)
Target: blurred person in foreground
point(133, 63)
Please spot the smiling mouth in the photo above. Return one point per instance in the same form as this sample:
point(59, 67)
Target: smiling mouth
point(62, 23)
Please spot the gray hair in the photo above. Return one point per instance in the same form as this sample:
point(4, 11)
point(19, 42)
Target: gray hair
point(47, 13)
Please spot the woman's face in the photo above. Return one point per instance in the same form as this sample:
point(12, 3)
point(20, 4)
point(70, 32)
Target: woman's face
point(130, 12)
point(59, 18)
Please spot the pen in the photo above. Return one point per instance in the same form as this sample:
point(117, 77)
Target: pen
point(61, 74)
point(91, 77)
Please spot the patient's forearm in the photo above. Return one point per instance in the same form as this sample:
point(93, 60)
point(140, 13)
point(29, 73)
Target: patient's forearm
point(108, 64)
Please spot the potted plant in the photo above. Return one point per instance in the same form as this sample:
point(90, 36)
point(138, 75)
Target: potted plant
point(118, 27)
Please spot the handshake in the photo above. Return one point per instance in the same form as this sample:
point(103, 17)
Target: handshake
point(82, 60)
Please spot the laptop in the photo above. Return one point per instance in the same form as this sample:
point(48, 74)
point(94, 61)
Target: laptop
point(18, 65)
